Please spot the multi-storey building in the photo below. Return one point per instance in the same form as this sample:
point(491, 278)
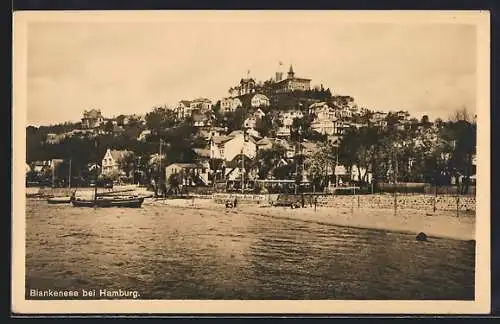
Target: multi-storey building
point(92, 118)
point(291, 83)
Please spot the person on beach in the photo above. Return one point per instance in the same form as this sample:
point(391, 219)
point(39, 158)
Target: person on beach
point(164, 190)
point(234, 202)
point(315, 202)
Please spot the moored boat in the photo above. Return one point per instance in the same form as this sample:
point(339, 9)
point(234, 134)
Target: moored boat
point(130, 202)
point(59, 200)
point(83, 202)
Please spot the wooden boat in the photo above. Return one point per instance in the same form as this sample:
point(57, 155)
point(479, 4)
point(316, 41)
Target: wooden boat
point(103, 202)
point(130, 202)
point(59, 200)
point(83, 202)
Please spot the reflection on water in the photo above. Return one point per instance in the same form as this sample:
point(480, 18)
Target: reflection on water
point(175, 253)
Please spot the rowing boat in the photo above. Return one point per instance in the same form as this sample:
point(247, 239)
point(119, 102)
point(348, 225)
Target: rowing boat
point(59, 200)
point(130, 202)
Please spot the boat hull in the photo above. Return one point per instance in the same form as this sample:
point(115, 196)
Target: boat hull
point(106, 203)
point(82, 203)
point(59, 200)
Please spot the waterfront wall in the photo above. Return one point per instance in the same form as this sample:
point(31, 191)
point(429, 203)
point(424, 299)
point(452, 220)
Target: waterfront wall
point(384, 201)
point(244, 198)
point(415, 201)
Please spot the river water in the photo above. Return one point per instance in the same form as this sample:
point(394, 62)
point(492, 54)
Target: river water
point(180, 253)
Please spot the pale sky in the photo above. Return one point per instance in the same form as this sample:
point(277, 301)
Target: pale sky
point(129, 67)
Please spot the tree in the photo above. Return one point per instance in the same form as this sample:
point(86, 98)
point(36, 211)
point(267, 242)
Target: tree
point(320, 163)
point(461, 114)
point(160, 119)
point(127, 163)
point(267, 159)
point(264, 125)
point(301, 129)
point(234, 120)
point(284, 171)
point(462, 138)
point(108, 127)
point(366, 116)
point(112, 175)
point(425, 121)
point(392, 120)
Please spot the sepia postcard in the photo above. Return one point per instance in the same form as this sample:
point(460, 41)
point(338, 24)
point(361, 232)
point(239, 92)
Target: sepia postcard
point(297, 162)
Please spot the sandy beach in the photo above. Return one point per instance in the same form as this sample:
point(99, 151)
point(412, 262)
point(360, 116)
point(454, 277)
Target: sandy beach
point(443, 224)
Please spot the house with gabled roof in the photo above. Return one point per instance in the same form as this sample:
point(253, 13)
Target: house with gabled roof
point(226, 147)
point(111, 162)
point(267, 143)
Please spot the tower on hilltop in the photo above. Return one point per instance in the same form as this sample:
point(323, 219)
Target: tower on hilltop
point(291, 74)
point(279, 72)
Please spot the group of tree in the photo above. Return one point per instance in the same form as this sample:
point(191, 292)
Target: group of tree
point(415, 154)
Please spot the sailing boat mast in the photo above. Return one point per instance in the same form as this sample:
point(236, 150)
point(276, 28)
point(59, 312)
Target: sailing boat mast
point(243, 165)
point(159, 185)
point(69, 176)
point(53, 173)
point(96, 174)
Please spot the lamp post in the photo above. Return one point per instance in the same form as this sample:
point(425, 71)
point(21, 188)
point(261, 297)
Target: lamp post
point(211, 140)
point(297, 164)
point(243, 164)
point(69, 177)
point(96, 172)
point(396, 146)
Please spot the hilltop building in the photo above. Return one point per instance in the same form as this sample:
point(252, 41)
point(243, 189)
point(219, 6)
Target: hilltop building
point(185, 108)
point(291, 83)
point(246, 86)
point(92, 118)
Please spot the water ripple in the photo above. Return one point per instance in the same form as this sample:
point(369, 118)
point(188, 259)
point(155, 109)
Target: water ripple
point(176, 253)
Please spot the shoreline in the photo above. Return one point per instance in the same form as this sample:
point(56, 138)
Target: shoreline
point(427, 228)
point(441, 224)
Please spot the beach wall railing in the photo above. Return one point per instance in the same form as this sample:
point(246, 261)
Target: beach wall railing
point(394, 201)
